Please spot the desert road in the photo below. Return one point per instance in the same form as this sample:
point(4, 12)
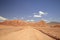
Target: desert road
point(28, 33)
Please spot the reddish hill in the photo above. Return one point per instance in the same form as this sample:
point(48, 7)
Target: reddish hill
point(42, 23)
point(54, 24)
point(14, 22)
point(24, 23)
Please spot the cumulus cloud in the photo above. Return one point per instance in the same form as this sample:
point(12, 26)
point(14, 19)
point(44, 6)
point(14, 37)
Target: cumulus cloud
point(46, 20)
point(30, 20)
point(37, 16)
point(40, 14)
point(2, 18)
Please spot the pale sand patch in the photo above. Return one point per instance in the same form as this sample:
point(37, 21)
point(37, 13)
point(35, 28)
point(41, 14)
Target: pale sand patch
point(28, 33)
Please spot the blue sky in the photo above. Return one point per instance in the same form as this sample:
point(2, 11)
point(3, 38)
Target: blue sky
point(25, 9)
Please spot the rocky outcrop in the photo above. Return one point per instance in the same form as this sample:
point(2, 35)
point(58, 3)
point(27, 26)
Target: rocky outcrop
point(42, 23)
point(24, 23)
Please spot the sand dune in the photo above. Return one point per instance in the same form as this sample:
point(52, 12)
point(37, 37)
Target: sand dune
point(28, 33)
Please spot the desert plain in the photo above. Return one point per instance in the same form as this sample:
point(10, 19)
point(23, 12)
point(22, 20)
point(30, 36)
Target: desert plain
point(22, 30)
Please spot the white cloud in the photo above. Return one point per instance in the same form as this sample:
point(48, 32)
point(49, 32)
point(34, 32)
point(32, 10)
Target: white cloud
point(30, 20)
point(2, 18)
point(37, 16)
point(46, 20)
point(40, 14)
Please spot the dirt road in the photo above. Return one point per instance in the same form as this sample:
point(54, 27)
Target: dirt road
point(28, 33)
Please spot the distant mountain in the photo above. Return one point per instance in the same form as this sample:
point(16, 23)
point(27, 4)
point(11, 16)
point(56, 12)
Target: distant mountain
point(54, 24)
point(14, 22)
point(41, 23)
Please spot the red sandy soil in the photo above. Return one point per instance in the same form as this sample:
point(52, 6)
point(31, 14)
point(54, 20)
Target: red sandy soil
point(28, 33)
point(22, 30)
